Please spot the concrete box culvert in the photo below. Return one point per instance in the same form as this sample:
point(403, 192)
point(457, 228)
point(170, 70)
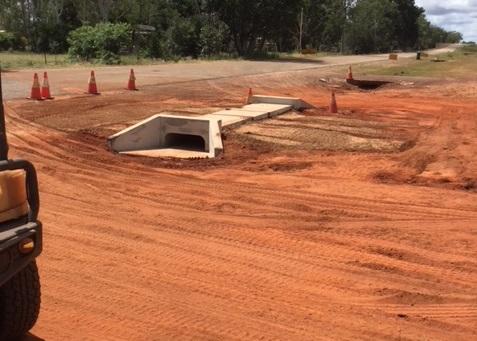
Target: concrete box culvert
point(166, 135)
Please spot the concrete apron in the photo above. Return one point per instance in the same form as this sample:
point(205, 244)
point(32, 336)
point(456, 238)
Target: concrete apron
point(166, 135)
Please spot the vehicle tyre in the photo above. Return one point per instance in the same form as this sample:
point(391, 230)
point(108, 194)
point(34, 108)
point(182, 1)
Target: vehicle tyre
point(20, 303)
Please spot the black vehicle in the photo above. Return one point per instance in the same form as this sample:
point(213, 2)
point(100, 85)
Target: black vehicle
point(20, 242)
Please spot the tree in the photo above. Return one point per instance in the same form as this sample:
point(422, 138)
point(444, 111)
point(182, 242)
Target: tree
point(254, 22)
point(314, 22)
point(406, 24)
point(213, 35)
point(371, 26)
point(201, 27)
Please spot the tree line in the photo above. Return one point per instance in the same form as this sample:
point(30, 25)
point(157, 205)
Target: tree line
point(103, 29)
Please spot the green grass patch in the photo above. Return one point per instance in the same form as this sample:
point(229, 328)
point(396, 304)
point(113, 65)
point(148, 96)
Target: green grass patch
point(25, 60)
point(461, 63)
point(17, 60)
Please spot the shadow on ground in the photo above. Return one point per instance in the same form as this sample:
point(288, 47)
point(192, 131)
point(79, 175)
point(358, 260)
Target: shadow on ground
point(299, 60)
point(31, 337)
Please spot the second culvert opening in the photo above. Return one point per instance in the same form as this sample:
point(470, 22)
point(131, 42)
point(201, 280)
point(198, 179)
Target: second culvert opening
point(186, 142)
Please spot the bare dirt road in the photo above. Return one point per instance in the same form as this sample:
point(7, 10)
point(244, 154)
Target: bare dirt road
point(73, 81)
point(277, 240)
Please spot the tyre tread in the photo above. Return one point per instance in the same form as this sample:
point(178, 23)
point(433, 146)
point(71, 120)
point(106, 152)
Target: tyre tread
point(20, 303)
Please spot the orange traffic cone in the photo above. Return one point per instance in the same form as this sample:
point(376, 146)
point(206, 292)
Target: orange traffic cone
point(132, 81)
point(92, 87)
point(35, 89)
point(45, 89)
point(333, 105)
point(250, 95)
point(349, 77)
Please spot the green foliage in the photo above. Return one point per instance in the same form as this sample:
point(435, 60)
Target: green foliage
point(193, 28)
point(470, 49)
point(430, 35)
point(371, 27)
point(103, 42)
point(254, 23)
point(213, 36)
point(7, 41)
point(405, 22)
point(182, 39)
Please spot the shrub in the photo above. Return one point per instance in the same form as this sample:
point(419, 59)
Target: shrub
point(181, 40)
point(7, 41)
point(213, 36)
point(102, 42)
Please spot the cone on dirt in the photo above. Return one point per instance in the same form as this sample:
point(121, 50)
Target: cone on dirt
point(249, 96)
point(349, 77)
point(333, 105)
point(92, 87)
point(45, 88)
point(132, 81)
point(35, 89)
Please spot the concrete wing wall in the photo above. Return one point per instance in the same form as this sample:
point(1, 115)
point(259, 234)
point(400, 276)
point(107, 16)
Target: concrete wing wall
point(141, 136)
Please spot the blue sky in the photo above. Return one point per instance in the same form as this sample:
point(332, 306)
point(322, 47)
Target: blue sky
point(453, 15)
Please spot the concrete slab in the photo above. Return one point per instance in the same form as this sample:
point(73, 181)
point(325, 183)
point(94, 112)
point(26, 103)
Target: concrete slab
point(296, 103)
point(271, 109)
point(168, 152)
point(249, 112)
point(244, 115)
point(227, 119)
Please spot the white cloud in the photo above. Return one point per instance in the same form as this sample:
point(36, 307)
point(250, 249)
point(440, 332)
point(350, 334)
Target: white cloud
point(453, 15)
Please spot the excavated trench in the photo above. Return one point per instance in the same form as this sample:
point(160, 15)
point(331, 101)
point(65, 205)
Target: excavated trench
point(367, 84)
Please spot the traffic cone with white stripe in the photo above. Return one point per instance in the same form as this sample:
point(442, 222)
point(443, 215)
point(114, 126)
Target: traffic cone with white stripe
point(35, 89)
point(45, 89)
point(132, 81)
point(92, 87)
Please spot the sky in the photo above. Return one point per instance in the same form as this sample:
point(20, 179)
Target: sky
point(453, 15)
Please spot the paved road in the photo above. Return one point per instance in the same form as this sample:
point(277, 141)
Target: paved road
point(70, 81)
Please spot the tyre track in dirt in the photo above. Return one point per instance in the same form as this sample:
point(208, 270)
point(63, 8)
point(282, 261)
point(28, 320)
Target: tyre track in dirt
point(136, 253)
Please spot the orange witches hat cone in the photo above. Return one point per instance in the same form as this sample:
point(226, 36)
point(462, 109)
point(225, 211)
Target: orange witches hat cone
point(45, 89)
point(132, 81)
point(349, 77)
point(35, 89)
point(92, 87)
point(249, 96)
point(333, 105)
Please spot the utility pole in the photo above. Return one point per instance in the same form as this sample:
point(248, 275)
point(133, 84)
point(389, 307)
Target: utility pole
point(301, 30)
point(343, 34)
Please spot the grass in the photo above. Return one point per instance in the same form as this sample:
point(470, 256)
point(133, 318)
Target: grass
point(12, 60)
point(461, 63)
point(25, 60)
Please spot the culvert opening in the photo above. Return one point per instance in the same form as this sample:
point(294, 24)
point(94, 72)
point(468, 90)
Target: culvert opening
point(185, 141)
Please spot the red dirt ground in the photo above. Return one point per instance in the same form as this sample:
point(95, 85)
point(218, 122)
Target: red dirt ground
point(267, 242)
